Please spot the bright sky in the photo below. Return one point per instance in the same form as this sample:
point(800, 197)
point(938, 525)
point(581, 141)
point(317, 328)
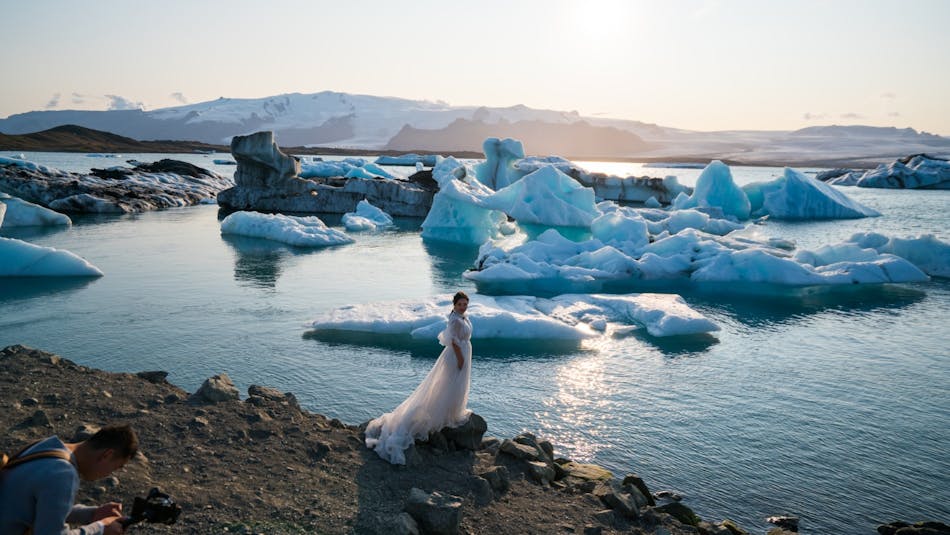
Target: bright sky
point(695, 64)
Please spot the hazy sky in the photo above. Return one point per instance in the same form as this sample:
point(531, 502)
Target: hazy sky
point(696, 64)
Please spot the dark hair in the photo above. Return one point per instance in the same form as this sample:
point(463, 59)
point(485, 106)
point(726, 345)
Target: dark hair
point(459, 295)
point(120, 438)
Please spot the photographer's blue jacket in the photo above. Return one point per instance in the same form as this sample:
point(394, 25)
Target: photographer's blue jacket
point(40, 494)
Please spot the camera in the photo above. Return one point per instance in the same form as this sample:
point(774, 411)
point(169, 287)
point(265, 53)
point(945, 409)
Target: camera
point(156, 508)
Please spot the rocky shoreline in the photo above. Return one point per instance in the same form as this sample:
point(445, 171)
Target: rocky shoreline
point(264, 465)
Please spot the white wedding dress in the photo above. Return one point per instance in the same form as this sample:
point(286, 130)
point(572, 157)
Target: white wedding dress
point(439, 401)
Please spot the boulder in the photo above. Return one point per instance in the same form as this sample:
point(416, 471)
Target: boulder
point(215, 389)
point(157, 377)
point(636, 481)
point(405, 525)
point(437, 513)
point(613, 496)
point(468, 435)
point(733, 527)
point(497, 478)
point(541, 472)
point(575, 473)
point(520, 451)
point(680, 512)
point(272, 394)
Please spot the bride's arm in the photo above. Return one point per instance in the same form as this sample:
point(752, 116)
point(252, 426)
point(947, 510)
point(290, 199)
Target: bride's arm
point(455, 329)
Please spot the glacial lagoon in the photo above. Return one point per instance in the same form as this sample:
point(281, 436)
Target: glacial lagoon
point(830, 404)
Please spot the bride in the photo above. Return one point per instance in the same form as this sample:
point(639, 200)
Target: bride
point(439, 401)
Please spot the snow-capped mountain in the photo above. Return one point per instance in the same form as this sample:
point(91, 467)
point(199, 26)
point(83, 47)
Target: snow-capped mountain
point(372, 122)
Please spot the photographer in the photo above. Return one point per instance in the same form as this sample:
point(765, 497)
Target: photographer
point(38, 494)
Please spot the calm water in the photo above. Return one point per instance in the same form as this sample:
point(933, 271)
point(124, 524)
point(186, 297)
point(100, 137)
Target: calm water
point(832, 405)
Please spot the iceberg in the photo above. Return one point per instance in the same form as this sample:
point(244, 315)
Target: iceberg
point(459, 213)
point(366, 217)
point(797, 196)
point(929, 254)
point(22, 259)
point(409, 160)
point(293, 230)
point(564, 317)
point(918, 171)
point(546, 197)
point(716, 188)
point(498, 170)
point(20, 213)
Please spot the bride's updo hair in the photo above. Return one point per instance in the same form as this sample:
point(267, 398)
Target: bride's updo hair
point(460, 295)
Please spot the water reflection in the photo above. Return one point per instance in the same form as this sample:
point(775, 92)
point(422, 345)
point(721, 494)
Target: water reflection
point(792, 304)
point(496, 348)
point(449, 261)
point(32, 232)
point(18, 288)
point(577, 414)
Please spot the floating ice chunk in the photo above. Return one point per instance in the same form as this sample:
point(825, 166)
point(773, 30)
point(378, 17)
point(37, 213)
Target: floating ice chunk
point(20, 213)
point(459, 212)
point(797, 196)
point(366, 217)
point(299, 231)
point(224, 162)
point(716, 188)
point(913, 172)
point(428, 160)
point(564, 317)
point(547, 197)
point(21, 259)
point(498, 170)
point(652, 202)
point(926, 252)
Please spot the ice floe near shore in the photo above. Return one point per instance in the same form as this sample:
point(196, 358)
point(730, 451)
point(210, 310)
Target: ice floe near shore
point(21, 259)
point(917, 171)
point(564, 317)
point(366, 217)
point(298, 231)
point(164, 184)
point(20, 213)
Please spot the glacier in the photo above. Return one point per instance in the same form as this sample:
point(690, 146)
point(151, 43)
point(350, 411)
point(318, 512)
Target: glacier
point(298, 231)
point(23, 259)
point(562, 317)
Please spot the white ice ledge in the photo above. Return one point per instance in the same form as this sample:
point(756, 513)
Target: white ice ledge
point(565, 317)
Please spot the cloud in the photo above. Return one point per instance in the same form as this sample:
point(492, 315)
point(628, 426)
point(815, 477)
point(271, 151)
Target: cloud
point(894, 114)
point(179, 97)
point(54, 101)
point(889, 95)
point(851, 115)
point(121, 103)
point(707, 9)
point(78, 98)
point(808, 116)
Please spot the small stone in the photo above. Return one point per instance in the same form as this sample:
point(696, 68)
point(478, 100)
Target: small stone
point(733, 527)
point(84, 432)
point(520, 451)
point(540, 472)
point(482, 491)
point(216, 389)
point(680, 512)
point(112, 482)
point(668, 495)
point(547, 447)
point(199, 421)
point(593, 530)
point(606, 516)
point(30, 402)
point(337, 424)
point(785, 522)
point(405, 525)
point(39, 419)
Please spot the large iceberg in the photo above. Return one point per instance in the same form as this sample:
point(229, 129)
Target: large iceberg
point(293, 230)
point(366, 217)
point(912, 172)
point(715, 188)
point(564, 317)
point(926, 252)
point(547, 197)
point(797, 196)
point(21, 259)
point(498, 170)
point(552, 263)
point(20, 213)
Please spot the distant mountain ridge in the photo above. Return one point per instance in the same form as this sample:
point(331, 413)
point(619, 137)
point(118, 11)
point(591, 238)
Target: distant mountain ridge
point(332, 119)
